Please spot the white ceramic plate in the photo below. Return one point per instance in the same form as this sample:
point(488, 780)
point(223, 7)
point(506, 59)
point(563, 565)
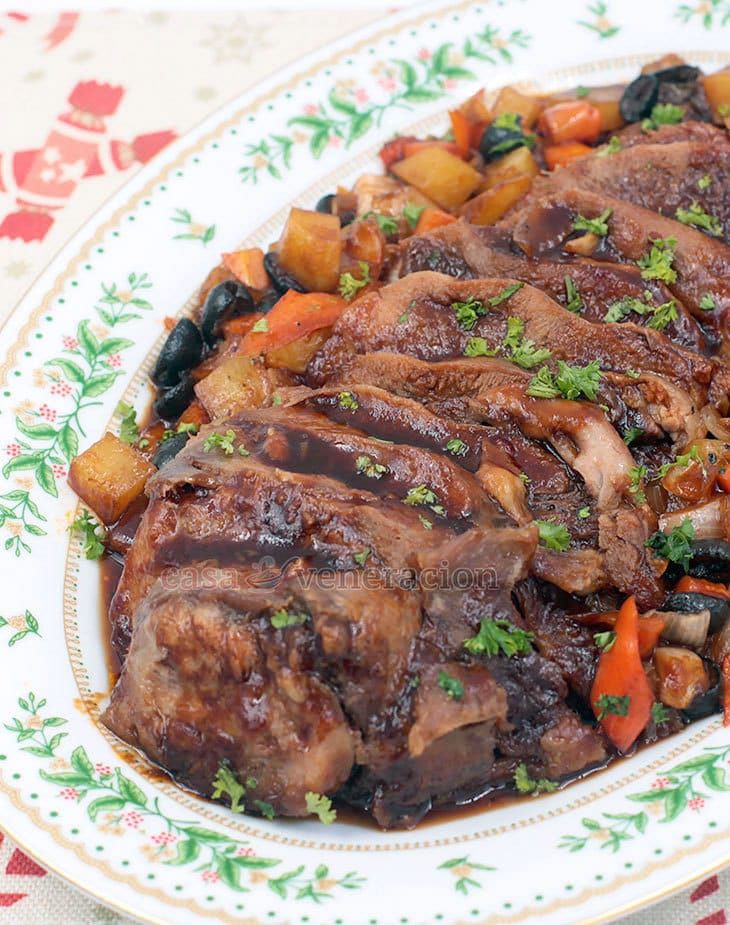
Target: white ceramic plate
point(83, 339)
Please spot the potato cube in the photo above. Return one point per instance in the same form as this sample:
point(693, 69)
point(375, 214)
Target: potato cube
point(441, 176)
point(237, 383)
point(310, 249)
point(717, 91)
point(488, 207)
point(518, 163)
point(295, 355)
point(511, 100)
point(109, 476)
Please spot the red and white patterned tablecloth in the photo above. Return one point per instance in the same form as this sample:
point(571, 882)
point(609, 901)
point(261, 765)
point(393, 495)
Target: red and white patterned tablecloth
point(171, 69)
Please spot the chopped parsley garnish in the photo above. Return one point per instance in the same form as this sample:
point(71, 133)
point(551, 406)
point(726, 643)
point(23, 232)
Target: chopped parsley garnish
point(707, 302)
point(525, 784)
point(457, 447)
point(221, 441)
point(662, 114)
point(350, 286)
point(387, 223)
point(637, 475)
point(128, 429)
point(511, 123)
point(261, 326)
point(184, 427)
point(266, 809)
point(698, 218)
point(573, 300)
point(226, 783)
point(497, 636)
point(597, 226)
point(611, 705)
point(657, 264)
point(584, 513)
point(453, 686)
point(659, 713)
point(632, 433)
point(425, 522)
point(281, 619)
point(675, 546)
point(612, 147)
point(276, 399)
point(704, 182)
point(320, 806)
point(478, 347)
point(582, 92)
point(468, 313)
point(92, 544)
point(505, 294)
point(605, 641)
point(523, 351)
point(682, 461)
point(632, 373)
point(373, 470)
point(622, 308)
point(347, 401)
point(422, 494)
point(553, 535)
point(412, 212)
point(524, 478)
point(571, 382)
point(362, 557)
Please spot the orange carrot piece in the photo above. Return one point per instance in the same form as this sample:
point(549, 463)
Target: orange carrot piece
point(295, 315)
point(564, 154)
point(432, 218)
point(461, 128)
point(691, 585)
point(574, 120)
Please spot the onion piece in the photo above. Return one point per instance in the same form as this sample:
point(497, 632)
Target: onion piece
point(686, 629)
point(681, 676)
point(711, 520)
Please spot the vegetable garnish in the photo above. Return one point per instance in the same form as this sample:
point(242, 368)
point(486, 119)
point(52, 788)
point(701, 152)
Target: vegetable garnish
point(707, 302)
point(605, 641)
point(632, 433)
point(553, 535)
point(452, 686)
point(388, 224)
point(523, 351)
point(221, 441)
point(93, 534)
point(704, 182)
point(681, 461)
point(659, 713)
point(612, 147)
point(321, 806)
point(425, 522)
point(128, 429)
point(584, 513)
point(468, 313)
point(281, 619)
point(226, 783)
point(457, 447)
point(347, 401)
point(698, 218)
point(373, 470)
point(478, 347)
point(573, 300)
point(422, 494)
point(597, 226)
point(525, 784)
point(621, 695)
point(571, 382)
point(261, 326)
point(675, 546)
point(350, 286)
point(663, 315)
point(662, 114)
point(266, 809)
point(637, 475)
point(362, 557)
point(621, 308)
point(657, 264)
point(412, 212)
point(497, 636)
point(505, 294)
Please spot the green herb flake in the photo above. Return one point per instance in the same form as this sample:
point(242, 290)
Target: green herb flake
point(659, 713)
point(478, 347)
point(581, 92)
point(632, 433)
point(350, 286)
point(663, 114)
point(622, 308)
point(681, 461)
point(225, 783)
point(505, 294)
point(457, 447)
point(261, 326)
point(282, 619)
point(597, 226)
point(542, 385)
point(128, 429)
point(612, 147)
point(637, 474)
point(266, 809)
point(657, 264)
point(497, 636)
point(362, 557)
point(468, 313)
point(423, 495)
point(697, 217)
point(610, 705)
point(347, 401)
point(553, 535)
point(574, 382)
point(425, 522)
point(632, 373)
point(452, 686)
point(320, 806)
point(387, 223)
point(411, 213)
point(605, 641)
point(523, 351)
point(573, 300)
point(92, 533)
point(704, 182)
point(367, 467)
point(707, 302)
point(525, 784)
point(675, 546)
point(221, 441)
point(584, 513)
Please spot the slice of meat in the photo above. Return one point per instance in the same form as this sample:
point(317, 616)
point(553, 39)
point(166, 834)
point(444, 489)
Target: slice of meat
point(473, 251)
point(669, 134)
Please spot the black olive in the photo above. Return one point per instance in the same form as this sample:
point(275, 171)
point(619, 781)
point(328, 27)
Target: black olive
point(325, 204)
point(181, 351)
point(282, 280)
point(691, 602)
point(501, 139)
point(226, 300)
point(639, 98)
point(347, 217)
point(268, 300)
point(703, 705)
point(679, 74)
point(710, 559)
point(168, 449)
point(170, 403)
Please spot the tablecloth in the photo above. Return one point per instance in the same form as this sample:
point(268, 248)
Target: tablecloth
point(174, 68)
